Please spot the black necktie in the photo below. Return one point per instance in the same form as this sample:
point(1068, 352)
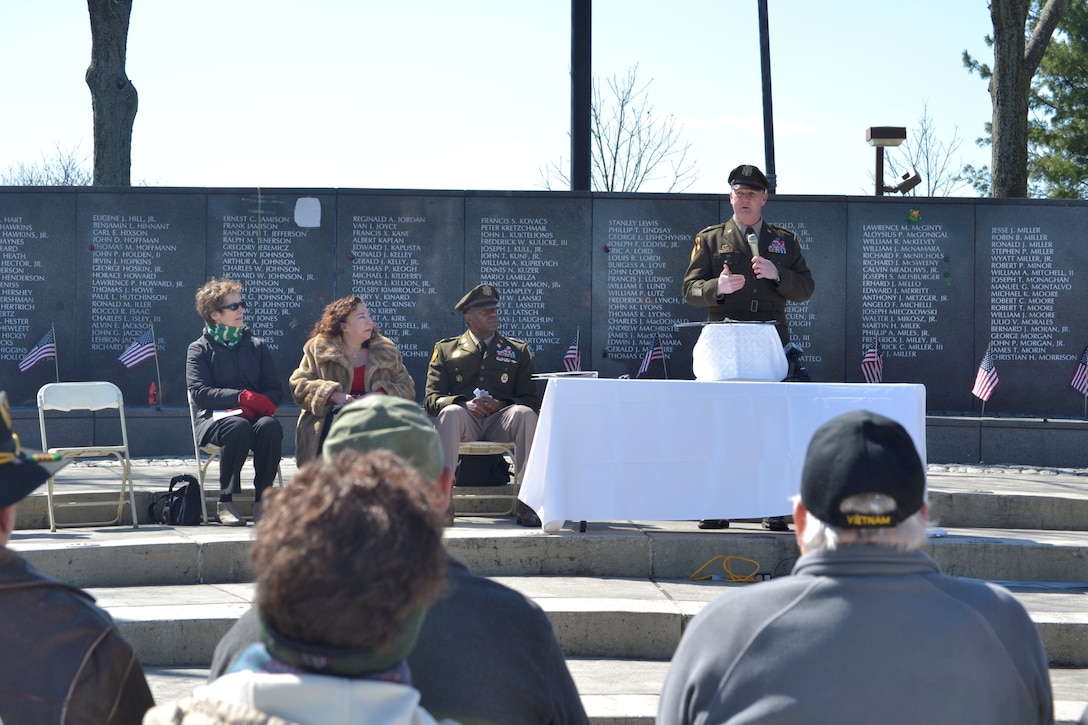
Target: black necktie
point(482, 347)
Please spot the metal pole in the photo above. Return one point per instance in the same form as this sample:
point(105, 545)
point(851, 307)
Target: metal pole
point(768, 111)
point(581, 90)
point(880, 171)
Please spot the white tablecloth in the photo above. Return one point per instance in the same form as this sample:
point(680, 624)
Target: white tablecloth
point(739, 351)
point(674, 450)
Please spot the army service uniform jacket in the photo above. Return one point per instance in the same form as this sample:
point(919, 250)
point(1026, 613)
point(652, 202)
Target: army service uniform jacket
point(457, 369)
point(758, 299)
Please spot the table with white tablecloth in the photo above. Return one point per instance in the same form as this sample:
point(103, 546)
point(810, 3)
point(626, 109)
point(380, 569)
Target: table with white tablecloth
point(674, 450)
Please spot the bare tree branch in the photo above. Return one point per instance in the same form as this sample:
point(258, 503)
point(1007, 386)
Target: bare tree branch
point(632, 147)
point(931, 157)
point(67, 167)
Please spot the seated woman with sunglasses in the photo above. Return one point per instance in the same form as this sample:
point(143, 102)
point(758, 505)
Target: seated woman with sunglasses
point(232, 379)
point(345, 358)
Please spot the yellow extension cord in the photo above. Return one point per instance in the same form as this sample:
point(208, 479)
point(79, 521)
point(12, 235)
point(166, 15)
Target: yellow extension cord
point(727, 566)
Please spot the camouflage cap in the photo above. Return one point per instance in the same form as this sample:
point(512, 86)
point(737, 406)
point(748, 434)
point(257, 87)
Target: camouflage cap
point(392, 423)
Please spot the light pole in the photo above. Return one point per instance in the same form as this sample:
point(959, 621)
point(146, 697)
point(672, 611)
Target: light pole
point(881, 136)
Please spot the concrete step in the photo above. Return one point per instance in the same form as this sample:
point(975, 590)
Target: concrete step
point(496, 546)
point(86, 481)
point(592, 616)
point(625, 692)
point(960, 496)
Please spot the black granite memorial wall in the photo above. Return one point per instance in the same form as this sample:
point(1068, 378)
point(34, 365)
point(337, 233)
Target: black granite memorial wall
point(933, 281)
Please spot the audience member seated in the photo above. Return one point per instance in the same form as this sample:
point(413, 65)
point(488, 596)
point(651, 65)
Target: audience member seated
point(347, 559)
point(515, 673)
point(867, 628)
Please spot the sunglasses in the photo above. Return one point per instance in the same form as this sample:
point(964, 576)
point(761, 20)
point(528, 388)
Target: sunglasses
point(233, 306)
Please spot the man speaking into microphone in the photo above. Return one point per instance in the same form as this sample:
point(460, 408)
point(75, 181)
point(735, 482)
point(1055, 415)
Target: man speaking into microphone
point(746, 268)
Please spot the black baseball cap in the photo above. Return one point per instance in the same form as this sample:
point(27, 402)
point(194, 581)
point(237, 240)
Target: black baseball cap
point(856, 453)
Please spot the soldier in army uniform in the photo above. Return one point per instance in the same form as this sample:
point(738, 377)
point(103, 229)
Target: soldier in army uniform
point(480, 386)
point(732, 283)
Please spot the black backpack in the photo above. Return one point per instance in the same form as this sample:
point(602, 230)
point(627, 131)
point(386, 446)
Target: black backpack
point(486, 470)
point(179, 506)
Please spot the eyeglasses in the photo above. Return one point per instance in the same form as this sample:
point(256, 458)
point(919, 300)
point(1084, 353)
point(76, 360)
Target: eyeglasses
point(233, 306)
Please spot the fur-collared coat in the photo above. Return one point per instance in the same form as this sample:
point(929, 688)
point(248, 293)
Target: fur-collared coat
point(325, 369)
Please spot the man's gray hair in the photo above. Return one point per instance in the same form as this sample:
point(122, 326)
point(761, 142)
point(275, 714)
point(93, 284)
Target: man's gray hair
point(908, 535)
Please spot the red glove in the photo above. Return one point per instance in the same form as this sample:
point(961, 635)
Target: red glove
point(248, 413)
point(257, 402)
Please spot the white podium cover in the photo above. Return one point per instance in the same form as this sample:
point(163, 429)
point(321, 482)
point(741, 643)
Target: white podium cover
point(739, 351)
point(675, 450)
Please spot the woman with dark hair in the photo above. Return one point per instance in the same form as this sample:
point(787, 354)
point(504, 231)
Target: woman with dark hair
point(345, 358)
point(232, 379)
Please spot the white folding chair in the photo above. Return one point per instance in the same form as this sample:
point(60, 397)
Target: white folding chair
point(213, 452)
point(90, 396)
point(488, 448)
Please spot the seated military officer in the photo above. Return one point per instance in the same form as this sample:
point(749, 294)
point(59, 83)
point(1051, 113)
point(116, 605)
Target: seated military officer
point(480, 386)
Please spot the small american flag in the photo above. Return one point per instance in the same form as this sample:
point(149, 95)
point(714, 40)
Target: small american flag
point(137, 352)
point(572, 360)
point(46, 349)
point(872, 365)
point(654, 353)
point(986, 378)
point(1080, 377)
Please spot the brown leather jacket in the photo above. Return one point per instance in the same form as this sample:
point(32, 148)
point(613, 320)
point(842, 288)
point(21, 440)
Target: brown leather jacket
point(63, 660)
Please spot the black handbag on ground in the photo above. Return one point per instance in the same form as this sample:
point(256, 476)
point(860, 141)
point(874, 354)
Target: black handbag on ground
point(179, 506)
point(489, 470)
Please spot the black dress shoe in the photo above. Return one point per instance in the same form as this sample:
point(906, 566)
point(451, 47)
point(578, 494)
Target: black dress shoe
point(527, 517)
point(714, 524)
point(775, 523)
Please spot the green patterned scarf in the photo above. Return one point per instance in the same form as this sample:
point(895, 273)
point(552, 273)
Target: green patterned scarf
point(225, 334)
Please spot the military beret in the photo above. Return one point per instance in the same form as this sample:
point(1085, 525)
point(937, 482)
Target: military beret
point(748, 175)
point(482, 295)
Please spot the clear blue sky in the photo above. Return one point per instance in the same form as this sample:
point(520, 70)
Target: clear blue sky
point(422, 94)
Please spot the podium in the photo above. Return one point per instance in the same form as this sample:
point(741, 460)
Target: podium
point(739, 351)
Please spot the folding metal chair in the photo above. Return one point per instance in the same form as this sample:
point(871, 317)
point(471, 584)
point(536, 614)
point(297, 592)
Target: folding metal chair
point(487, 448)
point(213, 452)
point(90, 396)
